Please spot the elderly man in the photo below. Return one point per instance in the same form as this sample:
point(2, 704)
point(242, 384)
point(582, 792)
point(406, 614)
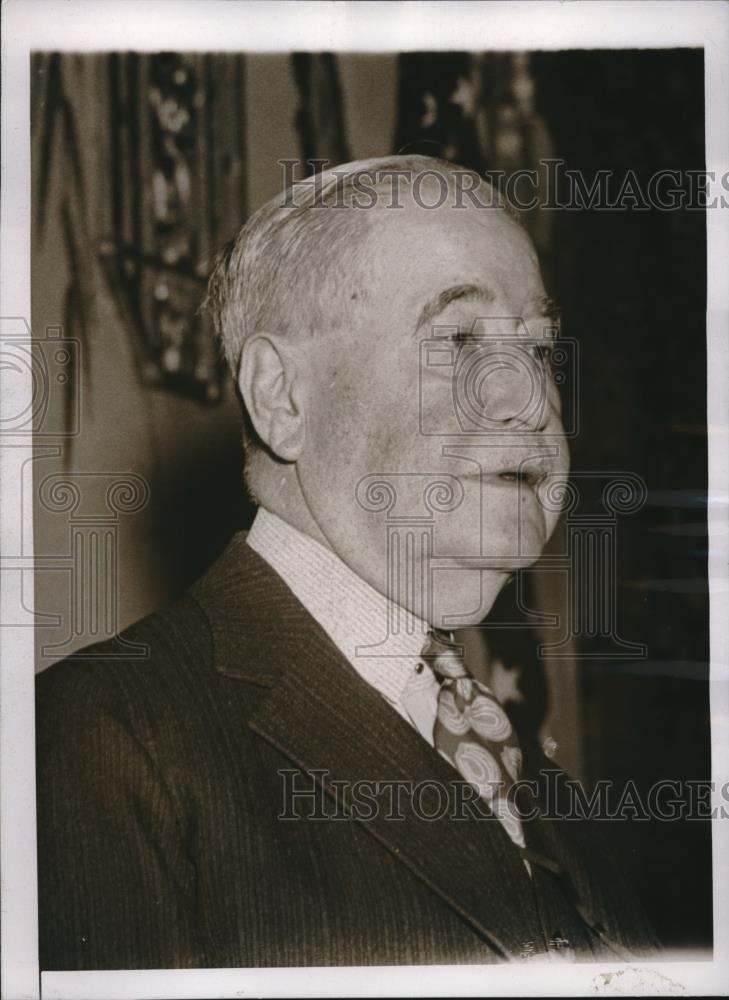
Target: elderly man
point(303, 771)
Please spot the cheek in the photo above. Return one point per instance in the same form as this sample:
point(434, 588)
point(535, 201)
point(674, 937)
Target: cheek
point(374, 418)
point(341, 431)
point(365, 411)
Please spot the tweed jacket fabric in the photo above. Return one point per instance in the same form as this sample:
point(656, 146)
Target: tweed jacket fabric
point(161, 792)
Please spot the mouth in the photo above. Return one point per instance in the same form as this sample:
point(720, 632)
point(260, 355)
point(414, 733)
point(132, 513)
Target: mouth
point(531, 476)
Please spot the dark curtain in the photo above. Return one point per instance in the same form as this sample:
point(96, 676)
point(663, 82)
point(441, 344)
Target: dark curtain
point(633, 289)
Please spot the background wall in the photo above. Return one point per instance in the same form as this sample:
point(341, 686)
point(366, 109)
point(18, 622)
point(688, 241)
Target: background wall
point(143, 165)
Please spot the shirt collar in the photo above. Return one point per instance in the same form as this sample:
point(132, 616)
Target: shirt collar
point(351, 612)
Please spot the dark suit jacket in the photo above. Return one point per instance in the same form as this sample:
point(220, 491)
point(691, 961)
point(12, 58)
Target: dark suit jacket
point(160, 796)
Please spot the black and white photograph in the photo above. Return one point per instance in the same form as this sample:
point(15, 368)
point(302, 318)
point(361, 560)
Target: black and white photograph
point(364, 499)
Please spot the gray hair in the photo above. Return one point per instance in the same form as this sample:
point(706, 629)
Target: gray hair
point(294, 267)
point(293, 264)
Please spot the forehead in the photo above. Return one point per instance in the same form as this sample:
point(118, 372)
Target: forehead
point(419, 252)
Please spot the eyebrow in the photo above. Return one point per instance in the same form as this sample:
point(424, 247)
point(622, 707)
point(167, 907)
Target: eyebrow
point(543, 306)
point(456, 293)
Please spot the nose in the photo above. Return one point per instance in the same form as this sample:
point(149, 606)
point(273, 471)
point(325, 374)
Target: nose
point(505, 388)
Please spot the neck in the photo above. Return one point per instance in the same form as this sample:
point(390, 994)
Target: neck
point(279, 492)
point(459, 600)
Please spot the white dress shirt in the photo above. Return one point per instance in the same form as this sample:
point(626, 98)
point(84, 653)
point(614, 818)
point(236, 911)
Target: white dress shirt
point(355, 616)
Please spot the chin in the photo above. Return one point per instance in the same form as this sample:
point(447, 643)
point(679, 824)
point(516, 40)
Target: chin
point(464, 597)
point(522, 546)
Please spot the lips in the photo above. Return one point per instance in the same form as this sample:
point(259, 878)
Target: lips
point(514, 477)
point(518, 478)
point(529, 473)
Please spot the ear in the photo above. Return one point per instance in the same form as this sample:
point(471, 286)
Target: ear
point(268, 382)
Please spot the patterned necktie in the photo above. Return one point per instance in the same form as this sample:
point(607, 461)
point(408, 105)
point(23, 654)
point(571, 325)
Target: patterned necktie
point(473, 732)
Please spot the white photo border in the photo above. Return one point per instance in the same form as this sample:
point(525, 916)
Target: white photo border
point(236, 25)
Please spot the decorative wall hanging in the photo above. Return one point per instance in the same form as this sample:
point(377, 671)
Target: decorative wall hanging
point(177, 163)
point(319, 117)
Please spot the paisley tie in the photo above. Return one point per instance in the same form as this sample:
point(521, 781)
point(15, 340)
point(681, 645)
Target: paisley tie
point(473, 732)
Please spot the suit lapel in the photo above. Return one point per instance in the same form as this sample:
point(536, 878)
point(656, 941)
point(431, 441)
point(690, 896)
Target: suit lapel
point(561, 839)
point(324, 718)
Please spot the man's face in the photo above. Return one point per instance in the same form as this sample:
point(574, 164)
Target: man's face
point(431, 418)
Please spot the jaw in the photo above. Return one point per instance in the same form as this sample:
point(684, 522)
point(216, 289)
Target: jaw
point(463, 597)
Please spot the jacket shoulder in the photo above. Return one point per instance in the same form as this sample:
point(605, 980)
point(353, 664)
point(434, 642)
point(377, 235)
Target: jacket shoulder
point(156, 661)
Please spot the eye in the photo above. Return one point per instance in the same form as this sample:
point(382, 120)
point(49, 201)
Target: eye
point(542, 353)
point(462, 336)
